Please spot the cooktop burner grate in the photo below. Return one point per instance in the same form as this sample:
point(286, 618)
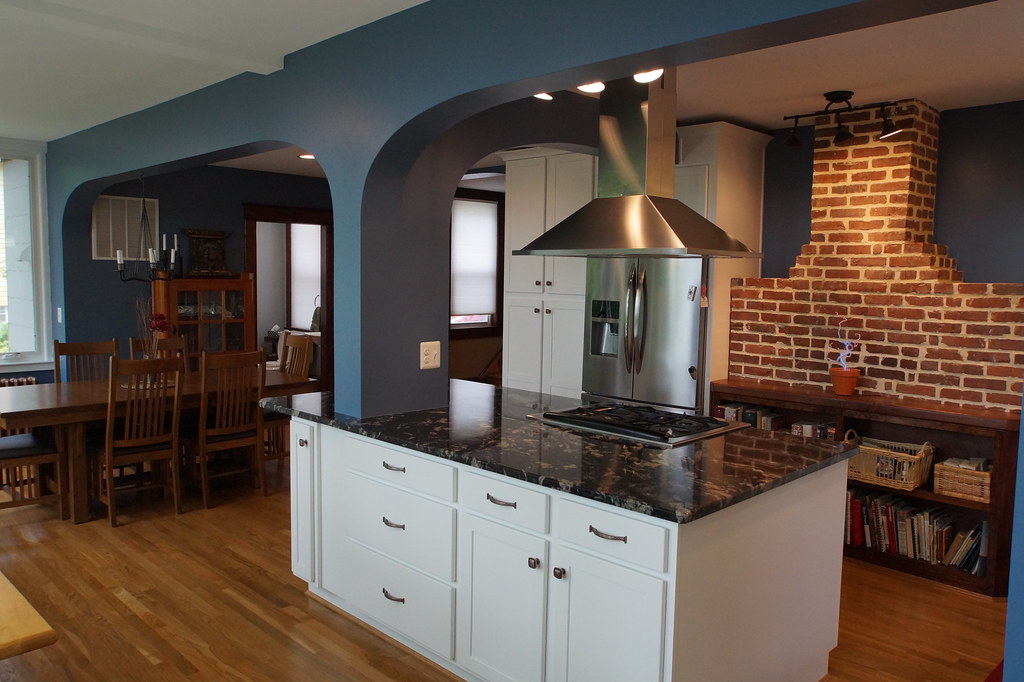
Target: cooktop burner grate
point(641, 422)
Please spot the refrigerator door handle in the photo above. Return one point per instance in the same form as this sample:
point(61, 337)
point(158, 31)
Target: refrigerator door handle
point(629, 337)
point(641, 313)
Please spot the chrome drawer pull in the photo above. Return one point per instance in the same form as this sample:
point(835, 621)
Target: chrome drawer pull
point(501, 503)
point(558, 572)
point(389, 524)
point(605, 536)
point(391, 467)
point(533, 562)
point(303, 442)
point(400, 600)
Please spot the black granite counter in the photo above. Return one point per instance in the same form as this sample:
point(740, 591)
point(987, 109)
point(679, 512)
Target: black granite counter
point(488, 428)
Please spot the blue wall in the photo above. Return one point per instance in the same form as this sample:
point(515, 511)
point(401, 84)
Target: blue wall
point(979, 202)
point(99, 306)
point(788, 175)
point(409, 74)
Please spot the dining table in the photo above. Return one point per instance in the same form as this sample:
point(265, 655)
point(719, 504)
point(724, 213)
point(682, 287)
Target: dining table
point(70, 407)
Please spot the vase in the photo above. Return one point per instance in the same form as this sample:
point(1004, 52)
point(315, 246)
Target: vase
point(843, 380)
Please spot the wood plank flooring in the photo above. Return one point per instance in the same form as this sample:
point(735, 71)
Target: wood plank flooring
point(209, 595)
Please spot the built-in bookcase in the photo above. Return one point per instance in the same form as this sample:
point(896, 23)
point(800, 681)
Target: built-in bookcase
point(955, 431)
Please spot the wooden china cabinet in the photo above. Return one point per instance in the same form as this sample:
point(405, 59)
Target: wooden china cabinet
point(213, 314)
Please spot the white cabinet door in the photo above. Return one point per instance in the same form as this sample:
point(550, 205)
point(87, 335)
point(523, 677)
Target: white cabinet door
point(501, 601)
point(570, 185)
point(607, 622)
point(525, 188)
point(522, 352)
point(563, 347)
point(332, 517)
point(303, 491)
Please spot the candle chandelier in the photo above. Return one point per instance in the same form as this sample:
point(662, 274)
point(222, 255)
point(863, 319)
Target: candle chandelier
point(151, 263)
point(843, 132)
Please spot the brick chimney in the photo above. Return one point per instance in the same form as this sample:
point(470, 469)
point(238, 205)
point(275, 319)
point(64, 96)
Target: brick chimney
point(924, 332)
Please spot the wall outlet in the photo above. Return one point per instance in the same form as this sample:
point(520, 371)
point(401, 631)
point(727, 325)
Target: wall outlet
point(430, 354)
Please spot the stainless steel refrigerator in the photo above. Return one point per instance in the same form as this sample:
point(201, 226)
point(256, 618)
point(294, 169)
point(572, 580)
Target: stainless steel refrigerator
point(644, 330)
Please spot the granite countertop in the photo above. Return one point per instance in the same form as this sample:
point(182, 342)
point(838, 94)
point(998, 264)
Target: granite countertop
point(488, 428)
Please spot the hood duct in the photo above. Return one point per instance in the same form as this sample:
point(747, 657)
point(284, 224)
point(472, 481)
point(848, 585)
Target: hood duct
point(634, 212)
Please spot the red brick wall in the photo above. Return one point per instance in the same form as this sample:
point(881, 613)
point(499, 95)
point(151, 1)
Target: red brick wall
point(924, 333)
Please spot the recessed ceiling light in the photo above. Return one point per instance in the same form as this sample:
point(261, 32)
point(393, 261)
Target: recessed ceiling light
point(307, 156)
point(544, 96)
point(648, 76)
point(597, 86)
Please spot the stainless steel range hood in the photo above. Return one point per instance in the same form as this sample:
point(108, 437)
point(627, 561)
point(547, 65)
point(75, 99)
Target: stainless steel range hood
point(635, 213)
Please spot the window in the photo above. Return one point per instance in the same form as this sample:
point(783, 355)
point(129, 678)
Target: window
point(116, 226)
point(24, 299)
point(476, 259)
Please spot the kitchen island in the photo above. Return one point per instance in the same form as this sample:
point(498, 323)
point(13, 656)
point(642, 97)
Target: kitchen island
point(504, 548)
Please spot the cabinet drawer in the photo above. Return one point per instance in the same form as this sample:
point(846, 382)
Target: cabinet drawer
point(506, 501)
point(401, 524)
point(633, 540)
point(412, 603)
point(418, 472)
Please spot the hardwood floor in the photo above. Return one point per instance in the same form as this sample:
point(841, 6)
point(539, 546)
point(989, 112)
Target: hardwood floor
point(209, 595)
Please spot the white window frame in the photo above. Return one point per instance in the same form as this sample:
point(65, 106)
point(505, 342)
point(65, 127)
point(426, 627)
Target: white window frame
point(41, 358)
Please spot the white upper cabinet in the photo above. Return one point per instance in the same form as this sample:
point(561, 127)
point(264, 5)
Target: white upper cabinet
point(541, 190)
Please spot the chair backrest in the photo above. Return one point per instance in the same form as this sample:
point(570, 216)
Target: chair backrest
point(231, 387)
point(297, 354)
point(85, 361)
point(150, 392)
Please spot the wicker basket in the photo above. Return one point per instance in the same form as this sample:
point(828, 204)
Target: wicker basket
point(903, 466)
point(962, 483)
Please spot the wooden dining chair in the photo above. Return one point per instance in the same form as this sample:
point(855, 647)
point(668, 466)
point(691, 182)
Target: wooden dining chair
point(32, 471)
point(84, 360)
point(296, 359)
point(230, 416)
point(296, 354)
point(141, 445)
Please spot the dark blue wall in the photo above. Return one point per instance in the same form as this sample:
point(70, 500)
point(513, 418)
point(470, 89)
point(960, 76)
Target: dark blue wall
point(100, 306)
point(788, 174)
point(979, 199)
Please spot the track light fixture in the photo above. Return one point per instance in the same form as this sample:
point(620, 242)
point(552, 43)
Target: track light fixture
point(843, 133)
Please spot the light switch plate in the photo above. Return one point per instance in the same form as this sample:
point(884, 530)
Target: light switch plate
point(430, 354)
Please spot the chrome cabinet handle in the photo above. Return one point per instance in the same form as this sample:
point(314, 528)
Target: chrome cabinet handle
point(548, 283)
point(303, 442)
point(536, 283)
point(558, 572)
point(400, 600)
point(536, 310)
point(606, 536)
point(389, 524)
point(501, 503)
point(547, 310)
point(390, 467)
point(533, 562)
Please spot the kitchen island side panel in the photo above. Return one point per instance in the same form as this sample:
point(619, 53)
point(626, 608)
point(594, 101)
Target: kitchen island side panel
point(758, 583)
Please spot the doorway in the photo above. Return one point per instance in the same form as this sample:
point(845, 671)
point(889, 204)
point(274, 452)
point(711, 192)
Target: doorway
point(293, 247)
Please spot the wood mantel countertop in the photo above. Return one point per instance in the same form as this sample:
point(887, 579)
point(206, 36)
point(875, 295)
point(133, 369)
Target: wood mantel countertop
point(21, 627)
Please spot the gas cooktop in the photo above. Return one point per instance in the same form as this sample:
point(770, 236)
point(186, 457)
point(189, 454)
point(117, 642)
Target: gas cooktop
point(640, 422)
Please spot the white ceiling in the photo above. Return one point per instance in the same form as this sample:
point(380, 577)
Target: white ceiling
point(83, 62)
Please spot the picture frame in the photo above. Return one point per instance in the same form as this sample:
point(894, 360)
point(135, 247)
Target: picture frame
point(208, 254)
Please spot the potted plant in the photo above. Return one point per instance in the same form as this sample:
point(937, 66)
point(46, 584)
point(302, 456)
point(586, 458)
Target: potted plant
point(844, 377)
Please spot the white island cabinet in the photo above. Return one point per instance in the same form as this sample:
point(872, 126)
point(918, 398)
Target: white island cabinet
point(499, 579)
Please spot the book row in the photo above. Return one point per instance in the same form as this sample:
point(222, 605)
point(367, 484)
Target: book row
point(766, 418)
point(887, 522)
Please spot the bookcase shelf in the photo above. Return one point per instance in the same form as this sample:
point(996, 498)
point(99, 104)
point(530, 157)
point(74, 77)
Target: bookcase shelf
point(956, 431)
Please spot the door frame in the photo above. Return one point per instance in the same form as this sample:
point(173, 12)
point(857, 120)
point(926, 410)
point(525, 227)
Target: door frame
point(254, 213)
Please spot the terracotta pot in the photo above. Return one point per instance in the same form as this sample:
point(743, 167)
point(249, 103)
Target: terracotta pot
point(843, 380)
